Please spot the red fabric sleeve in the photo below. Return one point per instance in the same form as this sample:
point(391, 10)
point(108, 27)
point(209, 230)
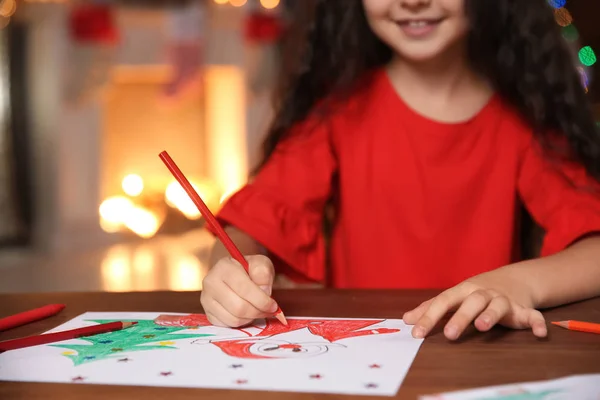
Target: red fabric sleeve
point(282, 208)
point(560, 197)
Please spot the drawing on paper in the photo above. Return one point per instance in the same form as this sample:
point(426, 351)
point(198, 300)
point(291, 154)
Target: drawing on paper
point(144, 336)
point(261, 342)
point(320, 355)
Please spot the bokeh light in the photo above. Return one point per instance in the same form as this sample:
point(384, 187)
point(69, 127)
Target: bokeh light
point(142, 222)
point(114, 210)
point(557, 3)
point(587, 56)
point(570, 33)
point(8, 8)
point(584, 78)
point(133, 185)
point(563, 17)
point(269, 4)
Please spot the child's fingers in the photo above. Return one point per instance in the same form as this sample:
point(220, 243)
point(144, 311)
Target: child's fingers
point(215, 321)
point(262, 272)
point(495, 311)
point(247, 290)
point(537, 322)
point(235, 303)
point(223, 317)
point(440, 305)
point(471, 307)
point(410, 317)
point(529, 318)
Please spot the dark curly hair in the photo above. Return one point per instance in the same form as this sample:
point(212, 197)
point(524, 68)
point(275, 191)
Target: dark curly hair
point(516, 44)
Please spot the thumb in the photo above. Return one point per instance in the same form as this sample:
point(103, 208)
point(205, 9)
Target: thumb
point(261, 272)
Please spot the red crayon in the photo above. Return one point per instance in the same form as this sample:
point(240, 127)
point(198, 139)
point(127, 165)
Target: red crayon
point(30, 316)
point(63, 335)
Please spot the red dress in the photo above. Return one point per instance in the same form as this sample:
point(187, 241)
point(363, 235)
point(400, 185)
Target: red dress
point(419, 203)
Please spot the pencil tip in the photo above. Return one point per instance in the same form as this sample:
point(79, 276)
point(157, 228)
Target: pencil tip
point(281, 318)
point(128, 324)
point(562, 324)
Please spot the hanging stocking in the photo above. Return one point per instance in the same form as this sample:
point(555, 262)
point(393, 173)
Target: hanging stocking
point(93, 34)
point(262, 32)
point(186, 36)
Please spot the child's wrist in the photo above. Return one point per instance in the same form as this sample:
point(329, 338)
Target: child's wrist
point(522, 285)
point(511, 281)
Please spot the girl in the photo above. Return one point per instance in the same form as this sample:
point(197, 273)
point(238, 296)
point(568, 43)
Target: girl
point(426, 124)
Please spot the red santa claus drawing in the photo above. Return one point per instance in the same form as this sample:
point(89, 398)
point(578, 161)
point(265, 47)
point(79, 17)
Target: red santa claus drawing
point(261, 341)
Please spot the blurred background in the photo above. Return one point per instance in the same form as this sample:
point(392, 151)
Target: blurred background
point(92, 91)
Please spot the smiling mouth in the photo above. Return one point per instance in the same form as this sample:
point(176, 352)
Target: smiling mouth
point(419, 23)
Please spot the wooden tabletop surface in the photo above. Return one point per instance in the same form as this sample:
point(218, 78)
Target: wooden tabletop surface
point(500, 356)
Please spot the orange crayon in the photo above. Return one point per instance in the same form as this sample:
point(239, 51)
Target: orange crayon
point(579, 326)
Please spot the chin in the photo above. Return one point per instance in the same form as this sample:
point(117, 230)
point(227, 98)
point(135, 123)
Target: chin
point(419, 54)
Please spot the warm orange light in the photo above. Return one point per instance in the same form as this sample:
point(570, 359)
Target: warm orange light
point(133, 185)
point(226, 126)
point(237, 3)
point(142, 222)
point(185, 273)
point(115, 270)
point(221, 1)
point(563, 17)
point(113, 212)
point(8, 8)
point(177, 197)
point(226, 196)
point(269, 4)
point(109, 227)
point(144, 263)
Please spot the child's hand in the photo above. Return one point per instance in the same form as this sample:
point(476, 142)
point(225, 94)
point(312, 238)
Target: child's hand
point(478, 301)
point(231, 297)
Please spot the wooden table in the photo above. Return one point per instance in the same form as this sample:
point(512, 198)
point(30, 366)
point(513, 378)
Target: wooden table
point(498, 357)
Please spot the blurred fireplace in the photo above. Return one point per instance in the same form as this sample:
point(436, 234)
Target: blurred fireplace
point(85, 154)
point(203, 132)
point(135, 127)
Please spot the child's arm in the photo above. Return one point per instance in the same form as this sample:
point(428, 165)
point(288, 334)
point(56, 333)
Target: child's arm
point(243, 241)
point(511, 295)
point(568, 276)
point(280, 209)
point(565, 202)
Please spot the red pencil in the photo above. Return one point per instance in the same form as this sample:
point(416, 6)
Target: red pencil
point(581, 326)
point(210, 219)
point(30, 316)
point(63, 335)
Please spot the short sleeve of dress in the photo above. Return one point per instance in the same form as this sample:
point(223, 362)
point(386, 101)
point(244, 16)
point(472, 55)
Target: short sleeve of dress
point(282, 207)
point(560, 197)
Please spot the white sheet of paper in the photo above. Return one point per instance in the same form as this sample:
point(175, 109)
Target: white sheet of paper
point(575, 387)
point(362, 356)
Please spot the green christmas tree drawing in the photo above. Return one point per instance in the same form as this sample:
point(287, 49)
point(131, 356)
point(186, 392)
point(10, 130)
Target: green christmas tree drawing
point(144, 336)
point(524, 396)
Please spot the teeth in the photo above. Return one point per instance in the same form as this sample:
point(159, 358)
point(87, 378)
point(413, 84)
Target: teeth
point(417, 24)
